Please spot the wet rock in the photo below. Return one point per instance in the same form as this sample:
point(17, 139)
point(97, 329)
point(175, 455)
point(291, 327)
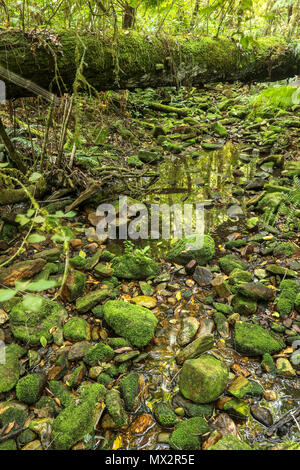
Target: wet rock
point(244, 306)
point(74, 286)
point(242, 386)
point(135, 323)
point(256, 291)
point(145, 301)
point(235, 407)
point(284, 367)
point(33, 445)
point(115, 408)
point(206, 327)
point(79, 350)
point(198, 247)
point(190, 266)
point(186, 435)
point(90, 300)
point(270, 395)
point(163, 438)
point(191, 409)
point(3, 317)
point(198, 346)
point(262, 414)
point(188, 330)
point(253, 340)
point(268, 364)
point(30, 326)
point(202, 276)
point(222, 324)
point(235, 211)
point(21, 271)
point(204, 379)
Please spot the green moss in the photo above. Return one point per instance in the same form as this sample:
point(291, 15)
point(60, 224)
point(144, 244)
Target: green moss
point(13, 414)
point(115, 408)
point(297, 302)
point(129, 266)
point(199, 247)
point(284, 249)
point(238, 276)
point(113, 371)
point(230, 442)
point(230, 262)
point(244, 306)
point(61, 392)
point(117, 343)
point(227, 309)
point(76, 376)
point(286, 300)
point(130, 389)
point(74, 286)
point(25, 437)
point(90, 300)
point(134, 161)
point(78, 262)
point(8, 445)
point(77, 419)
point(242, 386)
point(186, 435)
point(204, 379)
point(104, 379)
point(49, 405)
point(164, 415)
point(100, 352)
point(76, 329)
point(29, 326)
point(253, 340)
point(135, 323)
point(267, 363)
point(29, 388)
point(10, 372)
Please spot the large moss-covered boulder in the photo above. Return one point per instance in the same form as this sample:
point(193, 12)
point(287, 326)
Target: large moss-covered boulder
point(130, 389)
point(204, 379)
point(10, 370)
point(198, 247)
point(230, 442)
point(186, 435)
point(135, 323)
point(253, 340)
point(30, 326)
point(78, 419)
point(30, 387)
point(129, 266)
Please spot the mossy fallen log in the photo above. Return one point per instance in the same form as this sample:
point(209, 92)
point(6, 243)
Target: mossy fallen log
point(51, 61)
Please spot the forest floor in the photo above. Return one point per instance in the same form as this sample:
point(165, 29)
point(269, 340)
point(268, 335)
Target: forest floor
point(157, 344)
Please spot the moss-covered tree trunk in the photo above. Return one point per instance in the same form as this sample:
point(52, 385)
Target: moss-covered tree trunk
point(51, 61)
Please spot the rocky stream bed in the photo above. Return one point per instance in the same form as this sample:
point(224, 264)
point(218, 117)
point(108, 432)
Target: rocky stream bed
point(162, 344)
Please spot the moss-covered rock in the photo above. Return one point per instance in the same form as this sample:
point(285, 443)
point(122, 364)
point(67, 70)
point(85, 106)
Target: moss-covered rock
point(238, 276)
point(297, 302)
point(268, 364)
point(135, 323)
point(230, 442)
point(76, 329)
point(10, 370)
point(192, 409)
point(242, 386)
point(256, 291)
point(198, 247)
point(77, 419)
point(253, 340)
point(90, 300)
point(61, 392)
point(230, 262)
point(186, 435)
point(129, 266)
point(270, 201)
point(8, 445)
point(287, 297)
point(130, 389)
point(284, 249)
point(30, 326)
point(244, 306)
point(100, 352)
point(30, 387)
point(115, 407)
point(204, 379)
point(164, 415)
point(13, 414)
point(74, 286)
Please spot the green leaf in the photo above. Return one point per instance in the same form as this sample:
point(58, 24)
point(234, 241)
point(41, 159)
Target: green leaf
point(35, 176)
point(22, 219)
point(7, 294)
point(36, 238)
point(40, 285)
point(39, 219)
point(4, 165)
point(30, 212)
point(43, 341)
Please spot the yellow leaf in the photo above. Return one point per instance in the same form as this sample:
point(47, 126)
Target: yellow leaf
point(117, 442)
point(178, 295)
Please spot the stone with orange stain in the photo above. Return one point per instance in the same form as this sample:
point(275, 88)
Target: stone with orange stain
point(142, 424)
